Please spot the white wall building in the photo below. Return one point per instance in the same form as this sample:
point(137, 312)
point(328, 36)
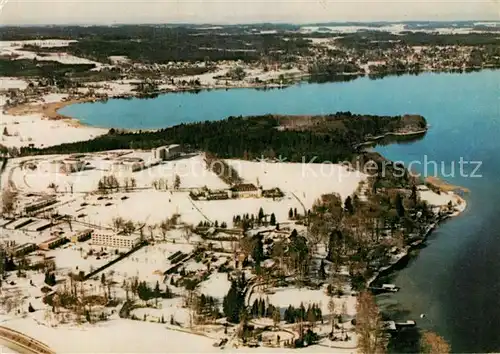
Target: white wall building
point(167, 152)
point(111, 239)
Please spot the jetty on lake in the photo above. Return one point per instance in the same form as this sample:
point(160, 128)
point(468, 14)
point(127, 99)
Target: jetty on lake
point(385, 288)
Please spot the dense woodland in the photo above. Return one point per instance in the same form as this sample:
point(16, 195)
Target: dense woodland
point(34, 68)
point(162, 44)
point(386, 40)
point(325, 138)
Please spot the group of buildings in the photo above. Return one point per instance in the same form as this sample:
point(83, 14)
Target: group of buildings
point(98, 238)
point(242, 190)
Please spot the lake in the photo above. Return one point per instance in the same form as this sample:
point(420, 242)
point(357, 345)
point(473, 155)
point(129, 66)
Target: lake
point(455, 281)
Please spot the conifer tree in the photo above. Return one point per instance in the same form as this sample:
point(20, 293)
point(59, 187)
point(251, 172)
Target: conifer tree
point(273, 219)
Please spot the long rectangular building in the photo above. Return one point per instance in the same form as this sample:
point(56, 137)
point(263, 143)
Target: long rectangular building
point(111, 239)
point(23, 249)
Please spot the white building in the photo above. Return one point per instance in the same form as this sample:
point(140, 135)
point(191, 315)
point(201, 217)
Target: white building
point(111, 239)
point(167, 152)
point(128, 164)
point(69, 165)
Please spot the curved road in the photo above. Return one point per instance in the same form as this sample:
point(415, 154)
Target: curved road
point(23, 343)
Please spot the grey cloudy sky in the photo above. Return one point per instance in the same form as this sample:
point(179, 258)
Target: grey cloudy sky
point(240, 11)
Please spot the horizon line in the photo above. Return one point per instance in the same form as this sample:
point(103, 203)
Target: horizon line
point(250, 23)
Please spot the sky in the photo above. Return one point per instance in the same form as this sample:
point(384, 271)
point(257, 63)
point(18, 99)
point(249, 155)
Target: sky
point(17, 12)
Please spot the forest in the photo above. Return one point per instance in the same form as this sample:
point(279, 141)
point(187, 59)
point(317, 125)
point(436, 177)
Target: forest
point(332, 138)
point(386, 40)
point(162, 44)
point(34, 68)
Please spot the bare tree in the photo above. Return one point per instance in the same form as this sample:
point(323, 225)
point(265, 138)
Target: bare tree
point(53, 186)
point(129, 227)
point(371, 336)
point(151, 229)
point(276, 317)
point(177, 182)
point(126, 184)
point(333, 312)
point(187, 232)
point(431, 343)
point(161, 184)
point(118, 223)
point(165, 225)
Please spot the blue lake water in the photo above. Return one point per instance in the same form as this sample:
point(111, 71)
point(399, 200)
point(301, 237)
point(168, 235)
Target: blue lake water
point(455, 281)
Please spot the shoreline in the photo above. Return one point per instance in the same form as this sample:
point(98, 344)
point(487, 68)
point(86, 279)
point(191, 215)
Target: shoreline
point(393, 266)
point(50, 110)
point(373, 140)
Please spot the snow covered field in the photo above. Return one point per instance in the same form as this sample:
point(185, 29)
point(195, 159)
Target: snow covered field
point(12, 83)
point(127, 336)
point(299, 192)
point(283, 297)
point(440, 200)
point(14, 48)
point(308, 181)
point(44, 43)
point(115, 336)
point(148, 260)
point(395, 28)
point(32, 128)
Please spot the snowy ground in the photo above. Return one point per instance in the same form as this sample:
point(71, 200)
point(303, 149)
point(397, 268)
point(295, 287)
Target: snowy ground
point(443, 199)
point(191, 171)
point(148, 262)
point(308, 181)
point(12, 83)
point(111, 88)
point(217, 286)
point(283, 297)
point(224, 210)
point(126, 336)
point(299, 192)
point(395, 28)
point(273, 74)
point(32, 128)
point(14, 48)
point(115, 336)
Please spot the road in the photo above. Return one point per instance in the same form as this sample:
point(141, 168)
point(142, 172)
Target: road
point(23, 343)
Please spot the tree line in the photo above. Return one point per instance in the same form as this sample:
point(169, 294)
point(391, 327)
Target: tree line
point(332, 138)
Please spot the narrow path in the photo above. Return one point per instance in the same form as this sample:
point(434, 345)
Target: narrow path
point(300, 201)
point(199, 211)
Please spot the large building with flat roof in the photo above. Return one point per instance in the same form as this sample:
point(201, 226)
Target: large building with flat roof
point(167, 152)
point(23, 249)
point(112, 239)
point(52, 243)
